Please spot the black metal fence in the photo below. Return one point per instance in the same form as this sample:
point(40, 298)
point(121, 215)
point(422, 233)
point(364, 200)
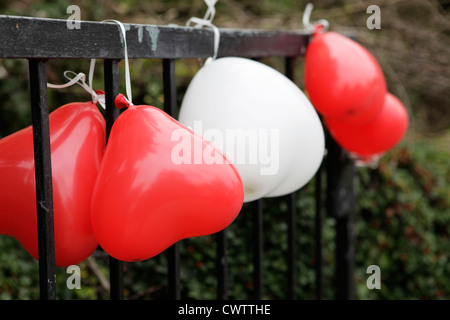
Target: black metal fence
point(39, 40)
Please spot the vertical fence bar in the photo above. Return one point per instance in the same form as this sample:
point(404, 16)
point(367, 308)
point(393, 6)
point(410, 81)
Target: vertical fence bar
point(258, 248)
point(291, 213)
point(222, 265)
point(173, 254)
point(318, 226)
point(170, 107)
point(289, 63)
point(343, 197)
point(43, 174)
point(111, 71)
point(341, 200)
point(345, 255)
point(291, 261)
point(170, 89)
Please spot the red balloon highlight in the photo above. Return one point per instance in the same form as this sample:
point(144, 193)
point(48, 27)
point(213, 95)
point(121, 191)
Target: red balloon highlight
point(375, 137)
point(343, 79)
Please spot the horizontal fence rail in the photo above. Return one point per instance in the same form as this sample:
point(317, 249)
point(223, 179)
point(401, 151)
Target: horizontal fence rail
point(38, 40)
point(23, 37)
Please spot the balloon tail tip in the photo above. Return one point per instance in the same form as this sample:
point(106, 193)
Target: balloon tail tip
point(121, 102)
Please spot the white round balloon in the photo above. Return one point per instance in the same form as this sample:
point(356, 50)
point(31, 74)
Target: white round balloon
point(262, 122)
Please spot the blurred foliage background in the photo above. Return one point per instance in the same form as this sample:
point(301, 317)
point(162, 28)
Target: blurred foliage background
point(403, 211)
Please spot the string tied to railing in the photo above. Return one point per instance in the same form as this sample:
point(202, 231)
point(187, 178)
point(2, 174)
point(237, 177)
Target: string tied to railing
point(206, 21)
point(128, 98)
point(98, 96)
point(320, 25)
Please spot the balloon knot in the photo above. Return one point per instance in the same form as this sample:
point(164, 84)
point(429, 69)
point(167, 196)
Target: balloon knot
point(121, 102)
point(318, 29)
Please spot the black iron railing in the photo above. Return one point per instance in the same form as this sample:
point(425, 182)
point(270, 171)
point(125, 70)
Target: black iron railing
point(39, 40)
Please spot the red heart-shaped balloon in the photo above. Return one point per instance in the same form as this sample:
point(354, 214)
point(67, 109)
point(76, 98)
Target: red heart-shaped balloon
point(77, 140)
point(343, 79)
point(159, 183)
point(375, 137)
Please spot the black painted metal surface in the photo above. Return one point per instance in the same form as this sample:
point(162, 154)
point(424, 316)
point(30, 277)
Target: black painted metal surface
point(291, 214)
point(318, 227)
point(258, 248)
point(170, 107)
point(103, 41)
point(222, 265)
point(340, 202)
point(111, 74)
point(292, 247)
point(43, 174)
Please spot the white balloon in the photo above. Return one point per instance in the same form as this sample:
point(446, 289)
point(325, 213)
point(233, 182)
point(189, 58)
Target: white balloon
point(262, 122)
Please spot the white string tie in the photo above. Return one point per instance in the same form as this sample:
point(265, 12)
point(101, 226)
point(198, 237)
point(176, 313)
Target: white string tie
point(80, 79)
point(127, 67)
point(207, 22)
point(319, 23)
